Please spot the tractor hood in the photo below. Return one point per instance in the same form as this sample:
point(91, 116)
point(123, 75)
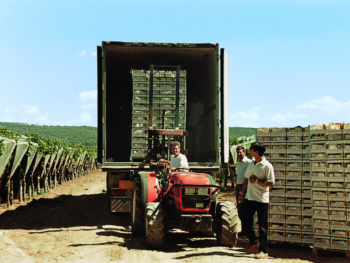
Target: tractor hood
point(189, 178)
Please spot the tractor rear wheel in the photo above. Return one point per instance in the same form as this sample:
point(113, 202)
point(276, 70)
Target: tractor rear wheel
point(154, 225)
point(138, 211)
point(227, 228)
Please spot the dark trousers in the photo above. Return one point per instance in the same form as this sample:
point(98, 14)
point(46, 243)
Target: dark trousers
point(263, 209)
point(240, 207)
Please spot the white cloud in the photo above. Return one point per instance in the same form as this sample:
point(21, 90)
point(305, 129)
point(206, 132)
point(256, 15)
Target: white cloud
point(9, 110)
point(88, 107)
point(293, 116)
point(29, 109)
point(83, 53)
point(7, 119)
point(94, 54)
point(33, 110)
point(254, 109)
point(42, 119)
point(85, 117)
point(88, 95)
point(326, 104)
point(249, 114)
point(279, 117)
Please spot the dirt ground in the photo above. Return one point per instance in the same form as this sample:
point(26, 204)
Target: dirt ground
point(72, 223)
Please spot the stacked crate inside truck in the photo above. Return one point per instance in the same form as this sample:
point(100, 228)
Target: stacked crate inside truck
point(164, 105)
point(329, 187)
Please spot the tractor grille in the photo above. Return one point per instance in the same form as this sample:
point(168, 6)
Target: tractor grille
point(199, 202)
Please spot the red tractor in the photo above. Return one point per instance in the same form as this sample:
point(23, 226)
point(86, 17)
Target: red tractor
point(186, 201)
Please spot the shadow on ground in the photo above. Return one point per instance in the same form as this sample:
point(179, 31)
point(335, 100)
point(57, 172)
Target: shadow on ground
point(63, 211)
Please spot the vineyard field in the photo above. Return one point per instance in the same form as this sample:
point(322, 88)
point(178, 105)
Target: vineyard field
point(85, 135)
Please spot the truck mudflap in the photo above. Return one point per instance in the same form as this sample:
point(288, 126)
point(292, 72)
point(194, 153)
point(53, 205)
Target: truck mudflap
point(196, 222)
point(121, 205)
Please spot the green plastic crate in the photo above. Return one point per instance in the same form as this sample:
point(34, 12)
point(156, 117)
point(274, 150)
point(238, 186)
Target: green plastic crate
point(137, 99)
point(138, 153)
point(140, 86)
point(139, 132)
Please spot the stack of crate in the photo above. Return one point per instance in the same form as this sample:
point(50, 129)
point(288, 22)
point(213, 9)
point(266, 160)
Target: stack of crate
point(164, 99)
point(310, 203)
point(290, 211)
point(329, 186)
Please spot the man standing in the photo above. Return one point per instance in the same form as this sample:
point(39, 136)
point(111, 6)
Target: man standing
point(196, 112)
point(242, 165)
point(259, 177)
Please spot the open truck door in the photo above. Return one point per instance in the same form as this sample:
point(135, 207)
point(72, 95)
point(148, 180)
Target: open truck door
point(224, 106)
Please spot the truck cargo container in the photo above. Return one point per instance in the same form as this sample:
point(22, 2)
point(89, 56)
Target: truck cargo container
point(207, 74)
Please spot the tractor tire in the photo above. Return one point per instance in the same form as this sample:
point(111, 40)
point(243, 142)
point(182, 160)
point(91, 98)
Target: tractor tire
point(154, 225)
point(227, 228)
point(138, 211)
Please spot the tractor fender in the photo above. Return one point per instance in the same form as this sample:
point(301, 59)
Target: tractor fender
point(150, 188)
point(213, 198)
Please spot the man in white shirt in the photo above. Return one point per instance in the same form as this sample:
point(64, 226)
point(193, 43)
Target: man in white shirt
point(242, 164)
point(196, 112)
point(177, 160)
point(259, 177)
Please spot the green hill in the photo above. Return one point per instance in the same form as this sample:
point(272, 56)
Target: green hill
point(236, 132)
point(86, 135)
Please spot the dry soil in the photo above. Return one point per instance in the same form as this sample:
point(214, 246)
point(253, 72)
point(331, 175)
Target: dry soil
point(72, 223)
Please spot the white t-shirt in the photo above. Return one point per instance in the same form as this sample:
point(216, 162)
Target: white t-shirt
point(241, 169)
point(175, 162)
point(264, 172)
point(196, 110)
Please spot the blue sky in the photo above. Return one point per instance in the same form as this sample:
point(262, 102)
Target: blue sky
point(289, 60)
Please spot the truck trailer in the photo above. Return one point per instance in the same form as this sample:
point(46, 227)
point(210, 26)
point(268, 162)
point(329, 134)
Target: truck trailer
point(206, 67)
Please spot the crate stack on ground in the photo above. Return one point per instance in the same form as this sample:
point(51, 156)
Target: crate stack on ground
point(164, 102)
point(310, 201)
point(290, 210)
point(330, 188)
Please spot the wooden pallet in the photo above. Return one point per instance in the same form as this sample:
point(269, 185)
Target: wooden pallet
point(347, 253)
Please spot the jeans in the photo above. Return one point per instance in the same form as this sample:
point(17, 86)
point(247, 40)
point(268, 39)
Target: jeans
point(240, 207)
point(262, 209)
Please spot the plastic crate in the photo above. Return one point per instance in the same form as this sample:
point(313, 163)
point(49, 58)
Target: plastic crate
point(322, 242)
point(276, 236)
point(294, 165)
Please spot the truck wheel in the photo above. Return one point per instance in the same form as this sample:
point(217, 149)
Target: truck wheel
point(227, 228)
point(138, 211)
point(154, 225)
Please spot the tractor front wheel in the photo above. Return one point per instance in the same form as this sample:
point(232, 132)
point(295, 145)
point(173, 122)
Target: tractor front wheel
point(154, 225)
point(227, 228)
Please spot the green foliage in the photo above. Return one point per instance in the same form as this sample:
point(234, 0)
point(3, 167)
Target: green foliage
point(1, 146)
point(50, 145)
point(84, 135)
point(4, 132)
point(242, 141)
point(236, 132)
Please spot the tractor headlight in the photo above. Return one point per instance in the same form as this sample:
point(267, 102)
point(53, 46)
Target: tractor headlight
point(190, 191)
point(202, 191)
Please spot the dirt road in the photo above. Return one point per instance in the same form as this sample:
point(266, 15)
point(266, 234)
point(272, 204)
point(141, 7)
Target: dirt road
point(72, 223)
